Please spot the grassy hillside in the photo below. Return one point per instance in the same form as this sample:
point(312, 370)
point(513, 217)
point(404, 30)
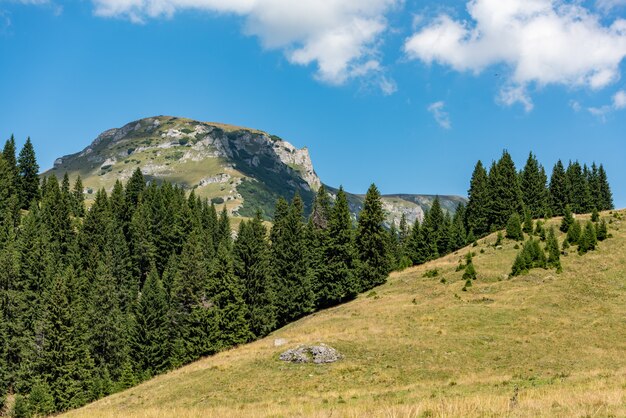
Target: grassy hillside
point(537, 345)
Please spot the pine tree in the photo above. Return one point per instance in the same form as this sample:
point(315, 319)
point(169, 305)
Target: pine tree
point(602, 231)
point(574, 233)
point(252, 267)
point(533, 185)
point(588, 239)
point(528, 222)
point(371, 242)
point(605, 196)
point(29, 175)
point(505, 197)
point(595, 216)
point(578, 189)
point(554, 253)
point(134, 188)
point(478, 204)
point(9, 199)
point(558, 190)
point(425, 248)
point(294, 288)
point(321, 208)
point(340, 283)
point(78, 198)
point(568, 219)
point(226, 294)
point(150, 334)
point(194, 320)
point(514, 228)
point(108, 332)
point(64, 361)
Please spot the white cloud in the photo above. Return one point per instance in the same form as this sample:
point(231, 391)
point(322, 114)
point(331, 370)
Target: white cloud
point(339, 36)
point(439, 113)
point(618, 103)
point(513, 94)
point(608, 5)
point(619, 100)
point(542, 42)
point(575, 105)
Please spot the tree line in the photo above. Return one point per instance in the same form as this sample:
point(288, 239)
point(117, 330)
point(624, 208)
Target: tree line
point(497, 199)
point(151, 278)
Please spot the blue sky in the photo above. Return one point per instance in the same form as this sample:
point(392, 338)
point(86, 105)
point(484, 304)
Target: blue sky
point(407, 94)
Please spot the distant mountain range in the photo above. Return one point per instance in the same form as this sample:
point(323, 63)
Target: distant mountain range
point(244, 169)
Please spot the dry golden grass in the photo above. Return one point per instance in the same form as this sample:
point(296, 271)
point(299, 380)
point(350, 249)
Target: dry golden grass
point(417, 347)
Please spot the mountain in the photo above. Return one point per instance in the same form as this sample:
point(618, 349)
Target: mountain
point(538, 345)
point(244, 169)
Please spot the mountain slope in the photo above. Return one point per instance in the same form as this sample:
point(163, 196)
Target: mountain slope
point(536, 345)
point(245, 169)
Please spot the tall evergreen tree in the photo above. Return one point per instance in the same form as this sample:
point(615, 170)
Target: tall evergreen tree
point(340, 282)
point(150, 335)
point(252, 267)
point(65, 362)
point(533, 186)
point(559, 197)
point(289, 262)
point(371, 242)
point(78, 198)
point(29, 175)
point(134, 188)
point(477, 216)
point(605, 198)
point(578, 189)
point(226, 294)
point(505, 197)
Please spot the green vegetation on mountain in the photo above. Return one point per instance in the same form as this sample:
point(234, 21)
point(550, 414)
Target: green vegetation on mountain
point(244, 170)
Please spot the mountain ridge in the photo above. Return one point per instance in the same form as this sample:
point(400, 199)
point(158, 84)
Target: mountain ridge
point(242, 168)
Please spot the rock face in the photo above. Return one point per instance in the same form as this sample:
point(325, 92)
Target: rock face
point(318, 354)
point(243, 169)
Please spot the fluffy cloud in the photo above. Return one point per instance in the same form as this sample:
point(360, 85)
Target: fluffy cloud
point(607, 5)
point(618, 103)
point(339, 36)
point(439, 113)
point(542, 42)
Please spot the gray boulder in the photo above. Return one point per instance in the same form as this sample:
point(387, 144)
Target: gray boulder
point(318, 354)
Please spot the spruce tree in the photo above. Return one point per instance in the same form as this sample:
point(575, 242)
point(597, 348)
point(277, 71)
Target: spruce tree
point(528, 222)
point(289, 264)
point(602, 230)
point(340, 284)
point(478, 204)
point(578, 189)
point(505, 197)
point(558, 190)
point(29, 175)
point(514, 228)
point(78, 198)
point(588, 239)
point(554, 253)
point(252, 267)
point(134, 188)
point(371, 242)
point(568, 219)
point(65, 362)
point(533, 186)
point(605, 195)
point(321, 208)
point(226, 294)
point(108, 331)
point(194, 319)
point(574, 233)
point(150, 335)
